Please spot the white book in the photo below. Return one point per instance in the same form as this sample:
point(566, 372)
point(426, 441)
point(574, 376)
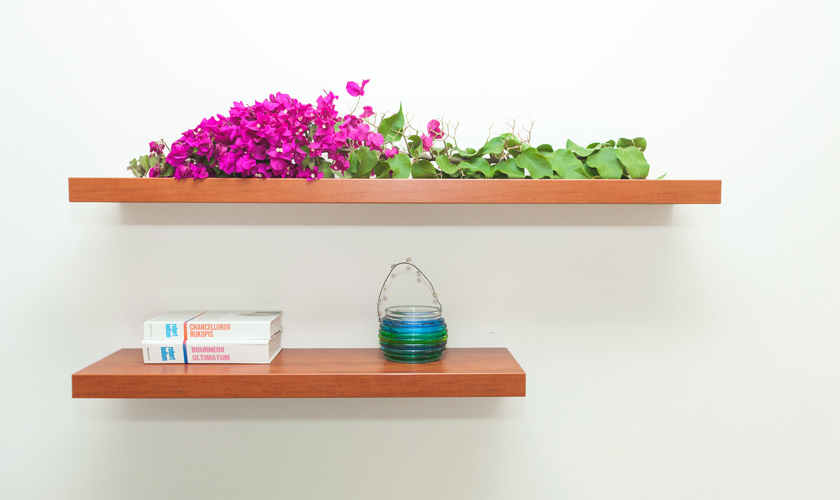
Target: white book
point(211, 351)
point(216, 325)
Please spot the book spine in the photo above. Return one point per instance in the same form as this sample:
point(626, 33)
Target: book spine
point(163, 352)
point(227, 352)
point(207, 351)
point(163, 330)
point(167, 329)
point(230, 331)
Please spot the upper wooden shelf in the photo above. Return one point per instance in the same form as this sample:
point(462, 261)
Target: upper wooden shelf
point(307, 373)
point(489, 191)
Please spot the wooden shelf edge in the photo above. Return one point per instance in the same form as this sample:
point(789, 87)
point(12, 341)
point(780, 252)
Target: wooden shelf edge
point(307, 373)
point(406, 191)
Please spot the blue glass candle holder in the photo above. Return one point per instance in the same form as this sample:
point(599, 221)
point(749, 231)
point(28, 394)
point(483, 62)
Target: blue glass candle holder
point(411, 333)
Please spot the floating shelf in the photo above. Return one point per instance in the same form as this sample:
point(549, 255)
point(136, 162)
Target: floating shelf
point(489, 191)
point(307, 373)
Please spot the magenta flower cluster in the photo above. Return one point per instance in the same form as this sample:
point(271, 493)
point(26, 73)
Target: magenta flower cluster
point(278, 137)
point(434, 132)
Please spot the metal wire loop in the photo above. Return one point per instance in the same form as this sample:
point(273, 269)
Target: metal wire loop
point(394, 267)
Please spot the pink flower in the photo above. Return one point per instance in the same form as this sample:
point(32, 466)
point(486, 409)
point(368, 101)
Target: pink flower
point(390, 153)
point(359, 133)
point(355, 90)
point(275, 137)
point(245, 165)
point(434, 129)
point(428, 142)
point(183, 172)
point(177, 154)
point(227, 163)
point(341, 164)
point(200, 172)
point(312, 174)
point(376, 140)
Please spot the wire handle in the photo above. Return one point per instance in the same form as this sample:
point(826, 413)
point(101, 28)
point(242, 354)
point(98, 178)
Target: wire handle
point(385, 286)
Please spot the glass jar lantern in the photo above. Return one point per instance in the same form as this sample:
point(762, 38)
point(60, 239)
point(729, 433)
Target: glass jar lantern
point(411, 333)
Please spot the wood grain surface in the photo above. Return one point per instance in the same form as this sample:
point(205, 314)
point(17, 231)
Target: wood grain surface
point(307, 373)
point(458, 191)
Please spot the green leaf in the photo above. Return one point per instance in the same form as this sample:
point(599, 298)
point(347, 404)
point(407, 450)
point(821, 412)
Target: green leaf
point(510, 169)
point(545, 148)
point(367, 161)
point(640, 143)
point(599, 145)
point(446, 166)
point(566, 165)
point(153, 161)
point(494, 146)
point(382, 170)
point(480, 165)
point(587, 170)
point(579, 150)
point(510, 140)
point(535, 163)
point(400, 166)
point(415, 144)
point(662, 176)
point(623, 143)
point(132, 165)
point(423, 169)
point(606, 163)
point(467, 153)
point(353, 164)
point(391, 128)
point(467, 170)
point(367, 164)
point(327, 170)
point(634, 162)
point(140, 166)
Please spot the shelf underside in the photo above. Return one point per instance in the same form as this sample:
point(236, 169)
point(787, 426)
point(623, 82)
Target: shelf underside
point(307, 373)
point(459, 191)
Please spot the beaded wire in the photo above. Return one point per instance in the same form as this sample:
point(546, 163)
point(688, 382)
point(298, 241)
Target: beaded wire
point(385, 286)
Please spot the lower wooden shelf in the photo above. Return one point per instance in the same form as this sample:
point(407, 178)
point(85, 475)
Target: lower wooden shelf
point(307, 373)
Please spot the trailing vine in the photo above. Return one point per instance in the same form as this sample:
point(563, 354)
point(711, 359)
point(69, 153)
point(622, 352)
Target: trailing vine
point(282, 137)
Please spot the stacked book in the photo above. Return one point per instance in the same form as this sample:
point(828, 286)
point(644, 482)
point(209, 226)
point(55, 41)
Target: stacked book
point(212, 337)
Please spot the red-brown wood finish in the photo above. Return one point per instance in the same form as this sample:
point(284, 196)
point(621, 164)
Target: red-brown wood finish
point(487, 191)
point(307, 373)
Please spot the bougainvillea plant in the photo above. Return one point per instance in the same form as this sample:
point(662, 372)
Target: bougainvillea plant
point(283, 137)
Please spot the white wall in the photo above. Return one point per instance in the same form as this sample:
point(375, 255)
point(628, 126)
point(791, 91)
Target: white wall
point(672, 352)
